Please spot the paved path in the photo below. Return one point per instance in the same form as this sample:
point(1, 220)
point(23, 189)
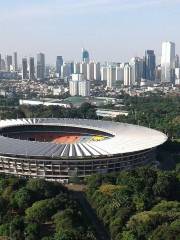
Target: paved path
point(101, 232)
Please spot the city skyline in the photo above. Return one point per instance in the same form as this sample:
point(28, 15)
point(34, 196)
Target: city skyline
point(64, 27)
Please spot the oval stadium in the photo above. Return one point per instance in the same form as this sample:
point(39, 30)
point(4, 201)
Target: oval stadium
point(59, 149)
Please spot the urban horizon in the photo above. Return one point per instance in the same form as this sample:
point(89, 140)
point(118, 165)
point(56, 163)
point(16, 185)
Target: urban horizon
point(158, 53)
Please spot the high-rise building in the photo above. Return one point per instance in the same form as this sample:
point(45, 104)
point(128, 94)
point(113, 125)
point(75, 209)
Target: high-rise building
point(177, 61)
point(84, 88)
point(74, 84)
point(24, 68)
point(79, 86)
point(15, 62)
point(167, 62)
point(177, 76)
point(158, 73)
point(83, 69)
point(0, 63)
point(31, 68)
point(85, 55)
point(40, 66)
point(8, 62)
point(3, 65)
point(77, 67)
point(120, 72)
point(59, 63)
point(104, 73)
point(47, 71)
point(71, 67)
point(97, 71)
point(136, 64)
point(128, 75)
point(66, 70)
point(149, 65)
point(90, 71)
point(111, 76)
point(73, 88)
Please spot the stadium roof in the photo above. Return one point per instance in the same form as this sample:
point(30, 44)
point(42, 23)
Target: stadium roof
point(126, 138)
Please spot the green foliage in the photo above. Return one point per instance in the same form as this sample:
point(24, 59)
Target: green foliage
point(4, 229)
point(22, 198)
point(27, 207)
point(32, 231)
point(148, 200)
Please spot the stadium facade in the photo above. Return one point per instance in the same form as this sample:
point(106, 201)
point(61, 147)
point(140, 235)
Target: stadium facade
point(59, 149)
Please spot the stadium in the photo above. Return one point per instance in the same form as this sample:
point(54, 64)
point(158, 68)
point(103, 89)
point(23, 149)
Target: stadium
point(60, 149)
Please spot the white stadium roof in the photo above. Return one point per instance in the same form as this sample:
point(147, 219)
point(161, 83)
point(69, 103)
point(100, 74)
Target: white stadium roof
point(126, 138)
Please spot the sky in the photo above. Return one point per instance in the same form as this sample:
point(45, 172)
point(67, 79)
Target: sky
point(112, 30)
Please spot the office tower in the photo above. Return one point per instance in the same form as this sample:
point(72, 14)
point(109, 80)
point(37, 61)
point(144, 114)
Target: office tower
point(77, 67)
point(177, 76)
point(83, 69)
point(120, 72)
point(0, 63)
point(158, 73)
point(15, 62)
point(149, 65)
point(84, 88)
point(177, 61)
point(167, 62)
point(8, 62)
point(104, 73)
point(127, 75)
point(40, 66)
point(71, 67)
point(31, 68)
point(85, 56)
point(47, 71)
point(24, 68)
point(66, 70)
point(136, 64)
point(111, 76)
point(90, 71)
point(59, 63)
point(97, 71)
point(3, 65)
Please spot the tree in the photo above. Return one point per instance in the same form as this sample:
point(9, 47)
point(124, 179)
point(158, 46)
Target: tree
point(22, 198)
point(32, 231)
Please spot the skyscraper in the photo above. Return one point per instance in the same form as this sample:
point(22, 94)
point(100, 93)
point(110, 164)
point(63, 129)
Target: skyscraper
point(167, 62)
point(40, 66)
point(0, 63)
point(128, 80)
point(59, 63)
point(97, 71)
point(90, 71)
point(149, 65)
point(120, 72)
point(111, 76)
point(104, 70)
point(84, 88)
point(85, 55)
point(31, 68)
point(66, 70)
point(136, 65)
point(15, 62)
point(77, 67)
point(8, 62)
point(83, 69)
point(24, 68)
point(177, 61)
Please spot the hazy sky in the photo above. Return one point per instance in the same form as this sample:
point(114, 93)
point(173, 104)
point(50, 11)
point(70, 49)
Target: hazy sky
point(112, 30)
